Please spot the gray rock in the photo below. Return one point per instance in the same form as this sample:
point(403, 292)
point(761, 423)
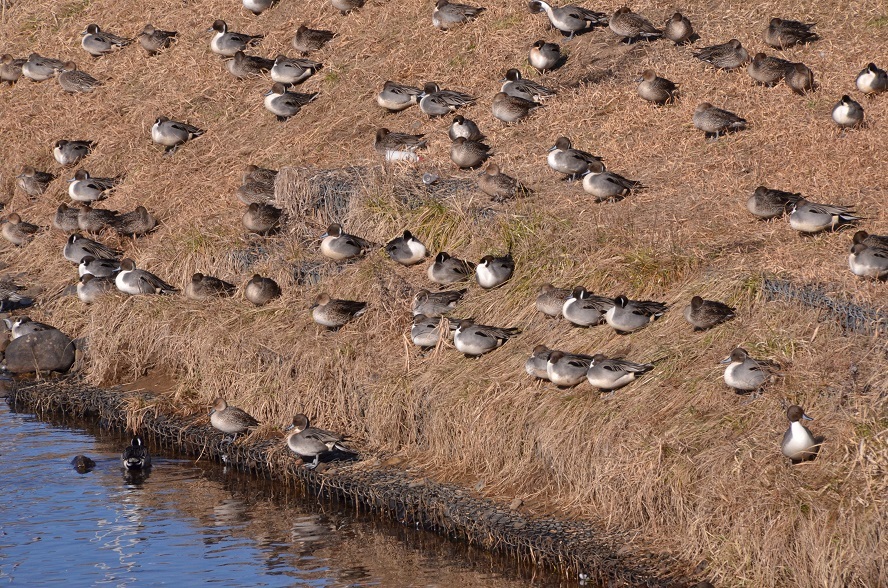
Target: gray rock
point(43, 351)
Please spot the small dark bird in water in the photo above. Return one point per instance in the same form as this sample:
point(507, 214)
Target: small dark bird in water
point(136, 456)
point(781, 33)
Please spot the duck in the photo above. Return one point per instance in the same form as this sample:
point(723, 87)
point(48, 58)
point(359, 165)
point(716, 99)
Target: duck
point(447, 270)
point(17, 231)
point(23, 325)
point(65, 218)
point(255, 193)
point(97, 42)
point(33, 182)
point(567, 369)
point(473, 339)
point(260, 290)
point(291, 70)
point(705, 314)
point(767, 70)
point(339, 245)
point(398, 146)
point(307, 39)
point(259, 175)
point(782, 34)
point(77, 247)
point(135, 455)
point(203, 287)
point(230, 419)
point(655, 89)
point(570, 19)
point(38, 68)
point(716, 121)
point(847, 113)
point(90, 288)
point(632, 26)
point(346, 6)
point(550, 300)
point(98, 268)
point(94, 220)
point(283, 103)
point(154, 40)
point(511, 109)
point(875, 241)
point(243, 65)
point(406, 249)
point(812, 217)
point(494, 271)
point(70, 152)
point(172, 134)
point(434, 101)
point(606, 185)
point(262, 219)
point(627, 316)
point(449, 14)
point(564, 159)
point(257, 7)
point(310, 442)
point(678, 29)
point(334, 312)
point(499, 186)
point(463, 127)
point(798, 443)
point(868, 262)
point(136, 222)
point(799, 78)
point(226, 43)
point(745, 373)
point(584, 309)
point(872, 80)
point(133, 281)
point(767, 203)
point(427, 332)
point(612, 374)
point(515, 85)
point(435, 304)
point(75, 81)
point(85, 188)
point(468, 154)
point(10, 68)
point(545, 56)
point(396, 97)
point(536, 364)
point(728, 55)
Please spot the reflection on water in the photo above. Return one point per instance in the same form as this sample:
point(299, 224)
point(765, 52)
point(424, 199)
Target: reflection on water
point(192, 522)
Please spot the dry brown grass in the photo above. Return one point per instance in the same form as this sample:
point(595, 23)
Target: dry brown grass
point(676, 457)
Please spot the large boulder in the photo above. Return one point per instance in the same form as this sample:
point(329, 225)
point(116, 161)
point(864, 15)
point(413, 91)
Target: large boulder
point(43, 351)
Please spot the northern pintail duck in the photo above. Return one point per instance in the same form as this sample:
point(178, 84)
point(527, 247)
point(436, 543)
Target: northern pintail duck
point(564, 159)
point(494, 271)
point(473, 339)
point(85, 188)
point(97, 42)
point(338, 245)
point(77, 247)
point(550, 299)
point(798, 443)
point(171, 134)
point(203, 287)
point(584, 309)
point(468, 154)
point(261, 290)
point(253, 192)
point(136, 222)
point(705, 314)
point(678, 29)
point(75, 81)
point(515, 85)
point(535, 366)
point(612, 374)
point(406, 249)
point(94, 220)
point(226, 43)
point(65, 218)
point(632, 26)
point(428, 331)
point(767, 70)
point(346, 6)
point(70, 152)
point(449, 270)
point(307, 40)
point(133, 281)
point(812, 217)
point(284, 104)
point(90, 288)
point(448, 14)
point(259, 175)
point(499, 186)
point(230, 419)
point(868, 262)
point(334, 312)
point(244, 66)
point(767, 203)
point(626, 316)
point(729, 55)
point(781, 33)
point(511, 109)
point(310, 442)
point(436, 304)
point(569, 19)
point(545, 56)
point(396, 97)
point(38, 68)
point(872, 80)
point(877, 241)
point(606, 185)
point(136, 456)
point(10, 299)
point(716, 121)
point(23, 325)
point(398, 146)
point(656, 89)
point(153, 40)
point(10, 68)
point(745, 373)
point(99, 268)
point(437, 102)
point(463, 127)
point(262, 219)
point(799, 78)
point(292, 70)
point(567, 369)
point(33, 182)
point(17, 231)
point(847, 113)
point(257, 7)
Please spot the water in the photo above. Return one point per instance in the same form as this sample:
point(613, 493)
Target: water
point(194, 522)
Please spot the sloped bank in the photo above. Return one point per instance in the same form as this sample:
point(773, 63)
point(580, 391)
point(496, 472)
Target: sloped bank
point(575, 549)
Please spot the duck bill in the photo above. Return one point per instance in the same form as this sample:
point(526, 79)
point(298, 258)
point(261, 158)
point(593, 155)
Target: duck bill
point(726, 360)
point(806, 417)
point(324, 236)
point(552, 148)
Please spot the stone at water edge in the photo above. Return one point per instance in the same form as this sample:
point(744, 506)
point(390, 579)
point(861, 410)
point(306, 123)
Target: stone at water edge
point(43, 351)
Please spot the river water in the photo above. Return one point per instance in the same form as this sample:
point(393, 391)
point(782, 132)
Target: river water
point(195, 522)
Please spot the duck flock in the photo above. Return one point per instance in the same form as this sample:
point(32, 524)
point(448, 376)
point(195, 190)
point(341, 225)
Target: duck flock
point(103, 269)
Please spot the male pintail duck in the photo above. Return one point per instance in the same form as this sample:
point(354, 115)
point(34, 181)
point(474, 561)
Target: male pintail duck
point(136, 456)
point(847, 113)
point(307, 40)
point(65, 218)
point(612, 374)
point(99, 268)
point(261, 290)
point(569, 19)
point(781, 33)
point(77, 247)
point(133, 281)
point(284, 104)
point(584, 309)
point(812, 217)
point(227, 44)
point(494, 271)
point(705, 314)
point(449, 270)
point(567, 369)
point(872, 80)
point(153, 40)
point(515, 85)
point(17, 231)
point(437, 102)
point(798, 443)
point(511, 109)
point(745, 373)
point(427, 331)
point(550, 299)
point(545, 56)
point(338, 245)
point(767, 203)
point(398, 146)
point(449, 14)
point(463, 127)
point(203, 287)
point(767, 70)
point(877, 241)
point(566, 160)
point(94, 220)
point(310, 442)
point(293, 70)
point(535, 366)
point(244, 66)
point(136, 222)
point(85, 188)
point(472, 339)
point(33, 182)
point(396, 97)
point(678, 29)
point(334, 312)
point(10, 299)
point(262, 219)
point(632, 26)
point(468, 154)
point(656, 89)
point(10, 68)
point(716, 121)
point(230, 419)
point(97, 42)
point(257, 7)
point(38, 68)
point(90, 288)
point(70, 152)
point(23, 325)
point(171, 134)
point(75, 81)
point(346, 6)
point(499, 186)
point(406, 249)
point(607, 186)
point(799, 78)
point(435, 304)
point(868, 262)
point(626, 316)
point(729, 55)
